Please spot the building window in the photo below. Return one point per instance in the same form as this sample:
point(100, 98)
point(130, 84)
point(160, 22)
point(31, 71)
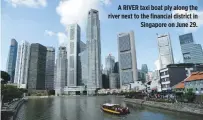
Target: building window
point(162, 73)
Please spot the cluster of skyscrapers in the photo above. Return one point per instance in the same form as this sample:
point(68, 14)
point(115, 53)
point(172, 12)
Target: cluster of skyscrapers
point(77, 67)
point(77, 64)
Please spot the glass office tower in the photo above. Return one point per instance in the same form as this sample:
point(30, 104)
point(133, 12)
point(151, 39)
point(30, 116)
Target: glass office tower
point(11, 62)
point(192, 53)
point(94, 51)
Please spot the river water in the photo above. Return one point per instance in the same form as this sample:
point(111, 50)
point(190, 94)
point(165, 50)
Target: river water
point(88, 108)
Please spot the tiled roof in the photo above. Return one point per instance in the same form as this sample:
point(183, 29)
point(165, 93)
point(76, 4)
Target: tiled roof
point(195, 76)
point(180, 85)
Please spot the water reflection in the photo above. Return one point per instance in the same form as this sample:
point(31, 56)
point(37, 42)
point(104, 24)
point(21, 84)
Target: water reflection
point(88, 108)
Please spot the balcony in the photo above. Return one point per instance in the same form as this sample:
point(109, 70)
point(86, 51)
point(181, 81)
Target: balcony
point(165, 82)
point(164, 76)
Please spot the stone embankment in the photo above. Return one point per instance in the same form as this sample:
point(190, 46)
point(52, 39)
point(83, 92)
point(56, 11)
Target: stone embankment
point(180, 107)
point(10, 111)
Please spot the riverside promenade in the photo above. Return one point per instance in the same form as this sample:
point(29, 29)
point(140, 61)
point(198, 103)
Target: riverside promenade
point(180, 107)
point(8, 112)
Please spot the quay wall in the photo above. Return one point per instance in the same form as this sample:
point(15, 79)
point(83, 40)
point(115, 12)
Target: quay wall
point(180, 107)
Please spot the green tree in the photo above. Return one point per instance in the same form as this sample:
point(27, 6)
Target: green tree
point(189, 96)
point(10, 92)
point(5, 77)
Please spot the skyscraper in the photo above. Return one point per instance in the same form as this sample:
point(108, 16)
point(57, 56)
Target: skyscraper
point(165, 50)
point(83, 67)
point(94, 51)
point(22, 64)
point(144, 68)
point(192, 53)
point(114, 82)
point(73, 50)
point(50, 62)
point(11, 62)
point(116, 67)
point(61, 71)
point(37, 67)
point(110, 62)
point(82, 46)
point(127, 58)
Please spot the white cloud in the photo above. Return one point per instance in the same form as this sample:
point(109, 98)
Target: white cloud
point(199, 21)
point(62, 38)
point(28, 3)
point(75, 11)
point(49, 33)
point(157, 64)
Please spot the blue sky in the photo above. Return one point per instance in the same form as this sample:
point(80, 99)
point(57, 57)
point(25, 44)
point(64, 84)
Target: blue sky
point(45, 22)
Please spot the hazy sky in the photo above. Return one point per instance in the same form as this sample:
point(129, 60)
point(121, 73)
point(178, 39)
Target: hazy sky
point(45, 21)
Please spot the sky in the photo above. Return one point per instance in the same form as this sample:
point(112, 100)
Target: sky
point(45, 22)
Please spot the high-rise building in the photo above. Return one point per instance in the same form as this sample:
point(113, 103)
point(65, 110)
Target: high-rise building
point(61, 71)
point(11, 62)
point(84, 67)
point(50, 62)
point(22, 65)
point(37, 67)
point(127, 58)
point(192, 53)
point(141, 76)
point(165, 50)
point(73, 50)
point(105, 81)
point(110, 62)
point(144, 68)
point(116, 67)
point(94, 51)
point(82, 46)
point(114, 82)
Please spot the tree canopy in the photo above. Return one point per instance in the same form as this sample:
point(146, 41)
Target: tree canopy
point(5, 77)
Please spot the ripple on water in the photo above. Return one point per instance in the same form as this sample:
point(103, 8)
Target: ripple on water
point(88, 108)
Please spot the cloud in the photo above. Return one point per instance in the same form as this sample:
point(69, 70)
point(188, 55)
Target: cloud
point(62, 38)
point(75, 11)
point(157, 64)
point(28, 3)
point(199, 21)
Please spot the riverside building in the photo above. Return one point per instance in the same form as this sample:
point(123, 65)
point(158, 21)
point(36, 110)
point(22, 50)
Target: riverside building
point(127, 59)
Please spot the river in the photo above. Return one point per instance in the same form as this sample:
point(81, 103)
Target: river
point(88, 108)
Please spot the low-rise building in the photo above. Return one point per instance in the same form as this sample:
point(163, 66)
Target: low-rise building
point(195, 82)
point(175, 73)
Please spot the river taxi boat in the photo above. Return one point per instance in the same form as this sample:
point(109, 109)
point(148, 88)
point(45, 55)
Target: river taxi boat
point(115, 109)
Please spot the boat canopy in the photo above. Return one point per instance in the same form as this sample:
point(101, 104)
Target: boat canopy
point(109, 104)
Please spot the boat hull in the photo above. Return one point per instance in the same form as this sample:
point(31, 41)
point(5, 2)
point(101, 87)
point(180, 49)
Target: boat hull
point(113, 112)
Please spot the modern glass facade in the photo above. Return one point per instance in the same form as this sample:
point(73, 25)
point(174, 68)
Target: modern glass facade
point(165, 50)
point(114, 82)
point(192, 53)
point(50, 62)
point(37, 67)
point(11, 62)
point(84, 67)
point(94, 51)
point(73, 51)
point(22, 65)
point(116, 67)
point(144, 68)
point(110, 62)
point(127, 58)
point(61, 71)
